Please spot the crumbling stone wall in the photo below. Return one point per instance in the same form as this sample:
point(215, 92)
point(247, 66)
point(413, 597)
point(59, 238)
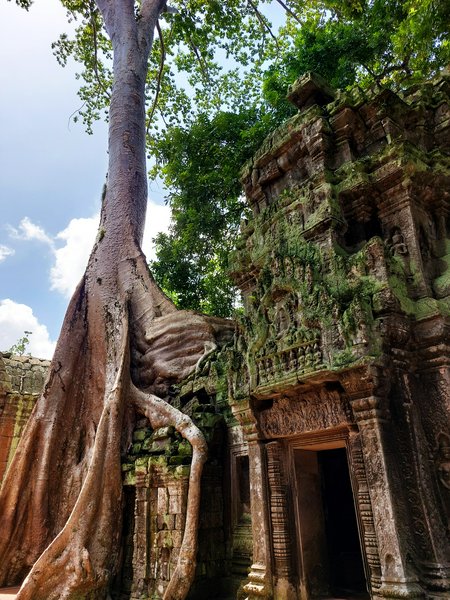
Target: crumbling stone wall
point(21, 382)
point(156, 477)
point(344, 338)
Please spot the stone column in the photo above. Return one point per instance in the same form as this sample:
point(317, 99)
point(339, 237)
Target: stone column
point(141, 529)
point(259, 584)
point(397, 579)
point(365, 513)
point(426, 422)
point(281, 528)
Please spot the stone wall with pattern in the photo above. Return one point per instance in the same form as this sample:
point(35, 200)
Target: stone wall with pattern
point(21, 382)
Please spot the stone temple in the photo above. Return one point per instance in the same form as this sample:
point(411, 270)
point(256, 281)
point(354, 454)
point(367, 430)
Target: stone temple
point(328, 417)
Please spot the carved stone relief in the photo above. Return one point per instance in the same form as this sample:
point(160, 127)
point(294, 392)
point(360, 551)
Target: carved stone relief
point(311, 411)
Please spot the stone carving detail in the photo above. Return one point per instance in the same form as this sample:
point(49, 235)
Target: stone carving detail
point(311, 411)
point(397, 243)
point(443, 460)
point(303, 358)
point(369, 538)
point(279, 513)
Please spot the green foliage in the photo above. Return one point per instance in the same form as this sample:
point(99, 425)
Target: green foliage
point(23, 3)
point(199, 166)
point(204, 58)
point(20, 347)
point(386, 42)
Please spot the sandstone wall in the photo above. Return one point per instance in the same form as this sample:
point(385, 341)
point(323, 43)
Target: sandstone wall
point(21, 382)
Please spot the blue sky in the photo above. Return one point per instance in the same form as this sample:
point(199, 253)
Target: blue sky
point(51, 177)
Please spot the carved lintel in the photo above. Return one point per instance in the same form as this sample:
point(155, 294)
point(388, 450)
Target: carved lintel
point(311, 411)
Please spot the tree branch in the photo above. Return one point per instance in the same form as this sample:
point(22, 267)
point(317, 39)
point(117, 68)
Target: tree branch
point(198, 56)
point(160, 75)
point(289, 11)
point(94, 31)
point(117, 16)
point(150, 11)
point(262, 21)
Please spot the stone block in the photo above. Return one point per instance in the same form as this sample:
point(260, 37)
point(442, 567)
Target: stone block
point(180, 520)
point(177, 538)
point(175, 504)
point(139, 435)
point(166, 521)
point(163, 432)
point(163, 501)
point(164, 539)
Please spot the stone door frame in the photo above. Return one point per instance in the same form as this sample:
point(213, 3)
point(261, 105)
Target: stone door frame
point(346, 438)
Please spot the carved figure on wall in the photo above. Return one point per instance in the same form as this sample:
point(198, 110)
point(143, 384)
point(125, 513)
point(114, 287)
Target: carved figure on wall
point(443, 460)
point(397, 244)
point(281, 321)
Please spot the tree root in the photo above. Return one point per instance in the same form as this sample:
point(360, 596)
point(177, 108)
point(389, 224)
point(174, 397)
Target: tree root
point(67, 568)
point(61, 504)
point(161, 414)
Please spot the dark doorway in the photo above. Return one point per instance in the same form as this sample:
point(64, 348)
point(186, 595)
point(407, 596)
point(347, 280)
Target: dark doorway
point(124, 579)
point(346, 570)
point(332, 564)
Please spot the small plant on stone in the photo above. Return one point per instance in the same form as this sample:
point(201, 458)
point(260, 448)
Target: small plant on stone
point(20, 347)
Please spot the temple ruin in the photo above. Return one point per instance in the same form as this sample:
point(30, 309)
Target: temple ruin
point(328, 417)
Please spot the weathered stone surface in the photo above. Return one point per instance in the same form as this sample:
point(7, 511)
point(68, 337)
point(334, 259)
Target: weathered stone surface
point(344, 274)
point(21, 382)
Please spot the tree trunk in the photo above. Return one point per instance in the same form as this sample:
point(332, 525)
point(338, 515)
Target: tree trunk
point(121, 345)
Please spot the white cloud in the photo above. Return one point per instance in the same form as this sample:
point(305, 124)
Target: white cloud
point(71, 259)
point(5, 251)
point(78, 238)
point(17, 318)
point(28, 231)
point(158, 219)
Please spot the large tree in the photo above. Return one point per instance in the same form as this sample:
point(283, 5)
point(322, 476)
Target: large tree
point(122, 343)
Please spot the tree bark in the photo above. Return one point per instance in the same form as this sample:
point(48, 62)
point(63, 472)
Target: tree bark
point(121, 345)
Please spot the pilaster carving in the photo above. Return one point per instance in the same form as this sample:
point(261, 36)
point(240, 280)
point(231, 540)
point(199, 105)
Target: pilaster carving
point(279, 513)
point(398, 579)
point(243, 413)
point(364, 509)
point(140, 542)
point(260, 576)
